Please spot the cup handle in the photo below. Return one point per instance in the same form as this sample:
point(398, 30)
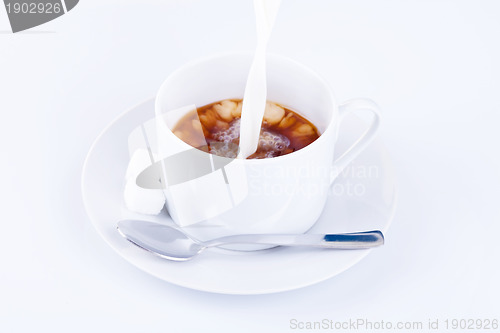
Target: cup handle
point(359, 145)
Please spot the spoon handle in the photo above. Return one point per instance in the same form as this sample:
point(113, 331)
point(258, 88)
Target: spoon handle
point(356, 240)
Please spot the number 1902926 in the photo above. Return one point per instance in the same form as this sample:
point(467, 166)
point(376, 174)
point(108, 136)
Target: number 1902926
point(471, 324)
point(33, 8)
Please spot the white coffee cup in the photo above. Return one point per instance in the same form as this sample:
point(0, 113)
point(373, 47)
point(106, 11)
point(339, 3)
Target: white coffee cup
point(285, 194)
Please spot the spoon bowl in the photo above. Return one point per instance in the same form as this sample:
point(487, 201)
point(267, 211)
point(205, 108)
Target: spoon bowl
point(164, 241)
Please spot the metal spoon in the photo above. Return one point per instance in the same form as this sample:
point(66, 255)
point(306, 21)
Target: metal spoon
point(171, 243)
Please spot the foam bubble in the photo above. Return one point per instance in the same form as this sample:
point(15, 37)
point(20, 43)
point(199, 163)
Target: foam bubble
point(230, 134)
point(224, 149)
point(270, 144)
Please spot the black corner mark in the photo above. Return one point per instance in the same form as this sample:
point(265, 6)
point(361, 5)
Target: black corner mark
point(26, 14)
point(70, 4)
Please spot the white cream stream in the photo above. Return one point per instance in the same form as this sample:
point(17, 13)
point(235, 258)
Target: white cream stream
point(254, 99)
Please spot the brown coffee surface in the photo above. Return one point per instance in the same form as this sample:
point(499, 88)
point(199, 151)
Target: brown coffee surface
point(215, 128)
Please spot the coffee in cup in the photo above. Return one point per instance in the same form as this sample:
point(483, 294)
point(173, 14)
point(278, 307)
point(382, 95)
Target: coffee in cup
point(215, 128)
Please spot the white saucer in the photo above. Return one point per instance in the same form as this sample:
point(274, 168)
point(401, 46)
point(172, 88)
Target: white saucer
point(363, 198)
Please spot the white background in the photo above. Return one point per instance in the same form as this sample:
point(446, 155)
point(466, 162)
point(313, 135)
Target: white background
point(433, 66)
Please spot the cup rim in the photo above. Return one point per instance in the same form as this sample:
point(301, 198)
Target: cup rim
point(198, 61)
